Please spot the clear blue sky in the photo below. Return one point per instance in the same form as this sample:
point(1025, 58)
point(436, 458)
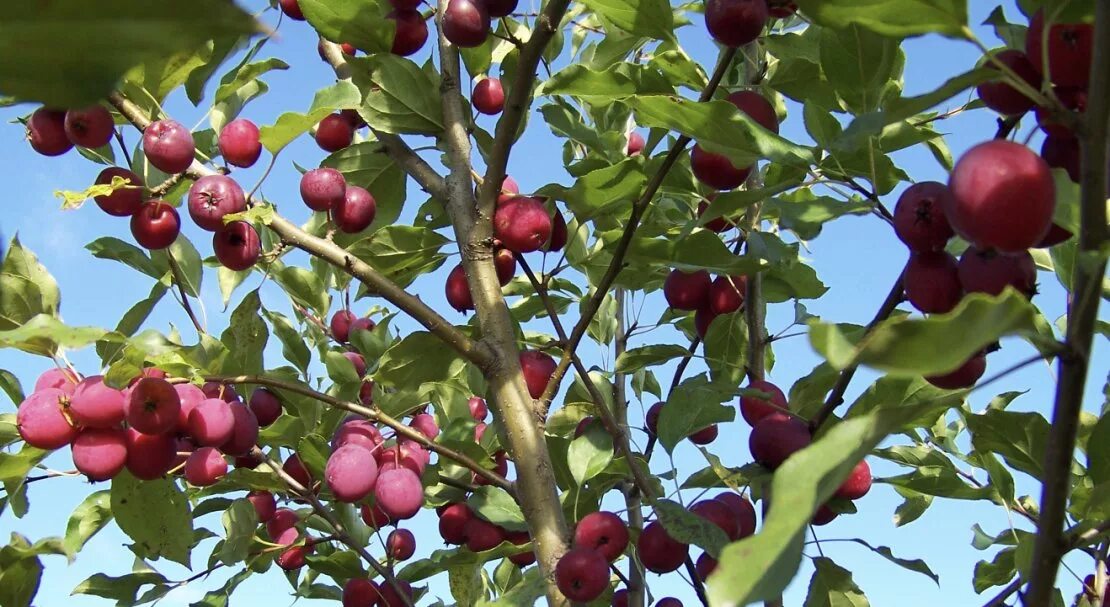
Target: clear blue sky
point(857, 257)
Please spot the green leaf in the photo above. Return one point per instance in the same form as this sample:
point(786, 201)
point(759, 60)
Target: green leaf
point(527, 592)
point(604, 190)
point(726, 349)
point(916, 565)
point(44, 335)
point(1019, 438)
point(19, 581)
point(589, 454)
point(343, 564)
point(832, 586)
point(155, 514)
point(689, 528)
point(125, 253)
point(15, 466)
point(442, 560)
point(122, 589)
point(938, 344)
point(364, 165)
point(418, 359)
point(498, 507)
point(358, 22)
point(615, 81)
point(240, 522)
point(693, 405)
point(701, 250)
point(1098, 451)
point(760, 566)
point(340, 96)
point(46, 45)
point(804, 213)
point(244, 74)
point(651, 18)
point(895, 18)
point(87, 519)
point(305, 288)
point(9, 383)
point(859, 64)
point(647, 356)
point(245, 338)
point(188, 260)
point(26, 288)
point(399, 96)
point(401, 253)
point(292, 344)
point(465, 582)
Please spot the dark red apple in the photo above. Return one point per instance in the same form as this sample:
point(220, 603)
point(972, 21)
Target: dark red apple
point(42, 419)
point(522, 224)
point(932, 282)
point(687, 290)
point(488, 96)
point(292, 9)
point(505, 263)
point(962, 377)
point(757, 108)
point(659, 552)
point(155, 225)
point(999, 95)
point(500, 8)
point(237, 245)
point(744, 512)
point(726, 294)
point(90, 127)
point(582, 574)
point(1062, 153)
point(150, 456)
point(46, 132)
point(323, 188)
point(266, 407)
point(857, 484)
point(466, 23)
point(411, 33)
point(635, 145)
point(604, 532)
point(334, 133)
point(716, 170)
point(1069, 50)
point(100, 453)
point(356, 211)
point(777, 437)
point(755, 408)
point(169, 146)
point(153, 406)
point(559, 234)
point(538, 368)
point(125, 201)
point(990, 272)
point(239, 143)
point(736, 22)
point(212, 197)
point(458, 290)
point(919, 219)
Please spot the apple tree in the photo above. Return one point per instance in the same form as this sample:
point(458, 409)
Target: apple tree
point(678, 188)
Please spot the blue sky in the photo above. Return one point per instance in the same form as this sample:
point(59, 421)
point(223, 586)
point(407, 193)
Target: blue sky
point(857, 257)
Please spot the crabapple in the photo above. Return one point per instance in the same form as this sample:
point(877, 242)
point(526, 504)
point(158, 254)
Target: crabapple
point(582, 574)
point(604, 532)
point(100, 453)
point(153, 406)
point(90, 127)
point(169, 146)
point(351, 473)
point(211, 422)
point(125, 201)
point(239, 143)
point(96, 405)
point(155, 225)
point(205, 466)
point(149, 456)
point(212, 197)
point(42, 422)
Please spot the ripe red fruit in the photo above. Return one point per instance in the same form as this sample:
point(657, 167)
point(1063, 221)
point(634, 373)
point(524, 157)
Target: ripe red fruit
point(1000, 96)
point(582, 574)
point(351, 473)
point(360, 592)
point(719, 514)
point(239, 143)
point(482, 535)
point(323, 188)
point(990, 272)
point(521, 559)
point(777, 437)
point(744, 512)
point(155, 225)
point(1062, 153)
point(374, 516)
point(932, 283)
point(635, 145)
point(46, 132)
point(425, 424)
point(295, 468)
point(90, 127)
point(100, 453)
point(411, 32)
point(244, 432)
point(237, 246)
point(96, 405)
point(125, 201)
point(716, 170)
point(754, 408)
point(726, 294)
point(703, 318)
point(669, 601)
point(538, 369)
point(282, 520)
point(704, 436)
point(292, 9)
point(824, 516)
point(919, 219)
point(153, 406)
point(509, 190)
point(1074, 99)
point(1070, 46)
point(488, 96)
point(505, 263)
point(457, 290)
point(466, 23)
point(583, 425)
point(205, 466)
point(358, 361)
point(1055, 236)
point(717, 224)
point(149, 456)
point(500, 8)
point(687, 290)
point(735, 22)
point(350, 51)
point(401, 544)
point(478, 408)
point(357, 431)
point(452, 523)
point(1003, 196)
point(620, 598)
point(169, 146)
point(658, 551)
point(757, 108)
point(55, 377)
point(42, 422)
point(399, 493)
point(293, 558)
point(962, 377)
point(224, 392)
point(558, 238)
point(857, 484)
point(356, 211)
point(211, 422)
point(334, 133)
point(652, 418)
point(604, 532)
point(361, 324)
point(522, 224)
point(190, 396)
point(392, 598)
point(264, 504)
point(705, 566)
point(340, 325)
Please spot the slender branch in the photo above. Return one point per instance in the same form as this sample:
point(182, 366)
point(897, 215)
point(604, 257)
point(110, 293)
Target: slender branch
point(118, 132)
point(695, 581)
point(395, 146)
point(161, 189)
point(591, 306)
point(836, 395)
point(1089, 270)
point(634, 582)
point(370, 414)
point(329, 516)
point(1000, 598)
point(179, 280)
point(675, 379)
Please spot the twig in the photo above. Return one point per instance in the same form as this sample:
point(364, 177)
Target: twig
point(161, 189)
point(1082, 315)
point(122, 146)
point(179, 280)
point(1000, 598)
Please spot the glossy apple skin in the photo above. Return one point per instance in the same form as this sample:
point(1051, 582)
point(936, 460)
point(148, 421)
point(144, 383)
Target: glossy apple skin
point(1070, 47)
point(735, 23)
point(411, 33)
point(334, 133)
point(211, 198)
point(488, 96)
point(919, 220)
point(466, 23)
point(932, 282)
point(237, 246)
point(155, 225)
point(240, 143)
point(999, 95)
point(125, 201)
point(90, 127)
point(323, 188)
point(46, 132)
point(716, 170)
point(169, 146)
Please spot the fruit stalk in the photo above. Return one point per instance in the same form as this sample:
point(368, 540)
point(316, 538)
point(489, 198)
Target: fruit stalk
point(536, 487)
point(591, 306)
point(1090, 268)
point(179, 280)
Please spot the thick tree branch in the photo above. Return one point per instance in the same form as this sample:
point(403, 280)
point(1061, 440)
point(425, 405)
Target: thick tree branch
point(340, 258)
point(399, 151)
point(524, 434)
point(518, 102)
point(1090, 267)
point(591, 306)
point(329, 516)
point(371, 414)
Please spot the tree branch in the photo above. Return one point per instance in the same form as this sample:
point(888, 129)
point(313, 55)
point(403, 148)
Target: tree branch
point(590, 307)
point(635, 579)
point(179, 280)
